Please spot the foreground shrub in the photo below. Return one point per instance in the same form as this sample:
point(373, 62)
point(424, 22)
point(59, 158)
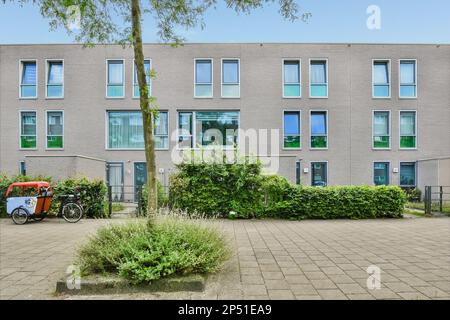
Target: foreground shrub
point(142, 252)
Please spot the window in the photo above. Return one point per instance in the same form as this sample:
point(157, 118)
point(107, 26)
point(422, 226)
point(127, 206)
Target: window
point(28, 79)
point(203, 78)
point(298, 172)
point(319, 130)
point(115, 82)
point(318, 79)
point(147, 68)
point(230, 78)
point(125, 130)
point(407, 174)
point(55, 130)
point(291, 130)
point(381, 130)
point(291, 79)
point(408, 82)
point(22, 168)
point(381, 79)
point(408, 130)
point(381, 173)
point(28, 130)
point(55, 79)
point(208, 128)
point(319, 174)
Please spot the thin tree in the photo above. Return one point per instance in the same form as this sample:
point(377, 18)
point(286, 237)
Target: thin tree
point(119, 22)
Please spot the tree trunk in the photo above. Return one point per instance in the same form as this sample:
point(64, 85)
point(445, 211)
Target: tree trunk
point(147, 112)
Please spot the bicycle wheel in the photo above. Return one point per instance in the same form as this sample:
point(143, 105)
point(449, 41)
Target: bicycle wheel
point(72, 212)
point(19, 216)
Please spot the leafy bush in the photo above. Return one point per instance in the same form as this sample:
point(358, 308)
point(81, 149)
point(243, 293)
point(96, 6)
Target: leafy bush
point(142, 252)
point(412, 194)
point(163, 199)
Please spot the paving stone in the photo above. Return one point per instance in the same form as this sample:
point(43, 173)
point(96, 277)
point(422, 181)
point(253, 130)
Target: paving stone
point(280, 294)
point(332, 294)
point(323, 284)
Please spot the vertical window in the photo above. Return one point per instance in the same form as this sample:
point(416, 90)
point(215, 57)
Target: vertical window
point(115, 85)
point(203, 78)
point(22, 168)
point(161, 130)
point(28, 79)
point(55, 79)
point(147, 68)
point(185, 127)
point(298, 172)
point(318, 79)
point(408, 130)
point(381, 173)
point(319, 174)
point(291, 130)
point(408, 83)
point(291, 79)
point(381, 130)
point(381, 79)
point(28, 130)
point(230, 78)
point(408, 174)
point(319, 130)
point(55, 130)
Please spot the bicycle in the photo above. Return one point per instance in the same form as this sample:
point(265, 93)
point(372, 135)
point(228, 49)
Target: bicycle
point(71, 208)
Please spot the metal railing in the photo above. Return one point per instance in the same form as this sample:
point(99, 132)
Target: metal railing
point(435, 198)
point(124, 194)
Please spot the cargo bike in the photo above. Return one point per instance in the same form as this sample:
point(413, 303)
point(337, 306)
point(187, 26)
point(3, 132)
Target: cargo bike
point(32, 200)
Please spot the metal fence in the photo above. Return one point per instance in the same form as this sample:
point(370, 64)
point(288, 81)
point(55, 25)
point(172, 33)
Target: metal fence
point(436, 198)
point(124, 194)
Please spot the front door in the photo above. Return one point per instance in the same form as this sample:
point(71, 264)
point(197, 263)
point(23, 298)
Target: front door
point(115, 180)
point(140, 177)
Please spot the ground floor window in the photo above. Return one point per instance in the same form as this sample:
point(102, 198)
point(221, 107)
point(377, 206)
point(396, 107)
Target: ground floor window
point(115, 172)
point(22, 168)
point(319, 172)
point(381, 173)
point(408, 174)
point(298, 172)
point(55, 130)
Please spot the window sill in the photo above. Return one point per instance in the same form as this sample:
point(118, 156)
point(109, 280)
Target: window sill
point(54, 149)
point(54, 98)
point(318, 149)
point(28, 98)
point(28, 149)
point(381, 149)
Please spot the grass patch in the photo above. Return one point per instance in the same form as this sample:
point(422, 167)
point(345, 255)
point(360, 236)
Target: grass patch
point(141, 251)
point(415, 212)
point(117, 207)
point(434, 206)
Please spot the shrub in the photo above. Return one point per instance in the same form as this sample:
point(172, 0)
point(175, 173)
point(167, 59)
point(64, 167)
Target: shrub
point(413, 194)
point(142, 252)
point(163, 199)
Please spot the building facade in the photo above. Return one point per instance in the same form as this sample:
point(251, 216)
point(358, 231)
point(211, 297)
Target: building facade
point(319, 114)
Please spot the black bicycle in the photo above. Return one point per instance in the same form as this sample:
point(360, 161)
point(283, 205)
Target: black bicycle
point(70, 208)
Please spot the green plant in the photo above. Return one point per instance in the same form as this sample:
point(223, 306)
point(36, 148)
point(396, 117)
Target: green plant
point(412, 194)
point(163, 199)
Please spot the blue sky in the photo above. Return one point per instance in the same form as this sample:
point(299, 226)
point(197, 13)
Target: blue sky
point(402, 21)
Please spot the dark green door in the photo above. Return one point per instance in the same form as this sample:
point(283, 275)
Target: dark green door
point(140, 177)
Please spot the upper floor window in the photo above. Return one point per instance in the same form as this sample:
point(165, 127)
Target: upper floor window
point(115, 79)
point(55, 79)
point(55, 130)
point(291, 79)
point(147, 69)
point(381, 130)
point(28, 130)
point(319, 130)
point(381, 79)
point(408, 130)
point(203, 78)
point(230, 78)
point(291, 130)
point(318, 79)
point(408, 79)
point(28, 79)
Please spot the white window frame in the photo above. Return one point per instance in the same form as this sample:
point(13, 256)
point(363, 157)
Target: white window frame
point(221, 78)
point(46, 130)
point(133, 84)
point(310, 129)
point(327, 77)
point(21, 61)
point(123, 76)
point(299, 60)
point(400, 172)
point(47, 69)
point(168, 129)
point(390, 129)
point(389, 171)
point(399, 129)
point(20, 129)
point(399, 79)
point(311, 170)
point(389, 75)
point(20, 167)
point(212, 78)
point(300, 128)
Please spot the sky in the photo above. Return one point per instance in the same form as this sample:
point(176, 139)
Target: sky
point(332, 21)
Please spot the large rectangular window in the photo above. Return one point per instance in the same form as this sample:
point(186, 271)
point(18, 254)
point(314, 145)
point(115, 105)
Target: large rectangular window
point(381, 173)
point(230, 78)
point(381, 79)
point(125, 130)
point(55, 79)
point(408, 138)
point(208, 128)
point(408, 79)
point(147, 69)
point(115, 87)
point(28, 130)
point(318, 79)
point(381, 130)
point(55, 130)
point(319, 174)
point(203, 78)
point(28, 79)
point(319, 130)
point(291, 79)
point(407, 174)
point(291, 130)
